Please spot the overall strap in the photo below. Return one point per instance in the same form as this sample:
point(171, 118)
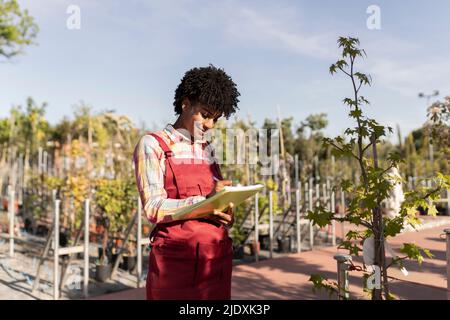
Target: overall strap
point(178, 176)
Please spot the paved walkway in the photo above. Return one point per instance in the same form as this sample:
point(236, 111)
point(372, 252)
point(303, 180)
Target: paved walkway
point(287, 277)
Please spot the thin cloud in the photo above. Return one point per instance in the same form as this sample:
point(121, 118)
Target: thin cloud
point(409, 78)
point(266, 31)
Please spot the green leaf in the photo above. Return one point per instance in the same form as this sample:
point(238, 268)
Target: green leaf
point(393, 227)
point(349, 102)
point(333, 69)
point(353, 249)
point(432, 211)
point(414, 252)
point(320, 216)
point(355, 113)
point(321, 283)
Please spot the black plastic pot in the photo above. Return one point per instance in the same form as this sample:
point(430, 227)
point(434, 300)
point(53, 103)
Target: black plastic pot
point(264, 241)
point(64, 237)
point(284, 244)
point(41, 231)
point(102, 272)
point(128, 263)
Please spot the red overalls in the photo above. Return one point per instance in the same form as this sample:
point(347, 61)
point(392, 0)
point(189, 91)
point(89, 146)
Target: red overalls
point(189, 259)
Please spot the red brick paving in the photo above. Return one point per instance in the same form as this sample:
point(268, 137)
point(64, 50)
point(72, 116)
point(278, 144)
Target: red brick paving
point(287, 277)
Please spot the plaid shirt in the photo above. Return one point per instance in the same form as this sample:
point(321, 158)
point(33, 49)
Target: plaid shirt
point(149, 163)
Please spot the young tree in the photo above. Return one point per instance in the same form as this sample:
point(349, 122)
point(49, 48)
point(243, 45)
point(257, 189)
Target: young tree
point(438, 126)
point(17, 29)
point(366, 197)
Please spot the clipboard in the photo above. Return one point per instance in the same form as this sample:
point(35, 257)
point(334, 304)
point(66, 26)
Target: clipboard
point(221, 200)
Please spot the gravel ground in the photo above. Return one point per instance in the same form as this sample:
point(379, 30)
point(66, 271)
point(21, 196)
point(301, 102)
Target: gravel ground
point(17, 276)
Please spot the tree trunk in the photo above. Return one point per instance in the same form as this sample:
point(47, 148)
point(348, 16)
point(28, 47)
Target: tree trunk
point(380, 258)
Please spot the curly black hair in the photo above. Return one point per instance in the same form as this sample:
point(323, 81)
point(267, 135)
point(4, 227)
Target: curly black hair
point(210, 86)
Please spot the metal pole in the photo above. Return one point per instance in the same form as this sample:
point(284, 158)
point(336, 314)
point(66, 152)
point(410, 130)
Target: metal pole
point(271, 223)
point(86, 249)
point(343, 213)
point(45, 162)
point(139, 245)
point(333, 222)
point(11, 221)
point(296, 170)
point(40, 160)
point(328, 186)
point(447, 232)
point(288, 189)
point(55, 252)
point(297, 219)
point(256, 227)
point(448, 202)
point(317, 194)
point(342, 274)
point(324, 193)
point(311, 230)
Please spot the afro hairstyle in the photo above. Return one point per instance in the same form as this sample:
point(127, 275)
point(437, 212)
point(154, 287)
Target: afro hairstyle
point(210, 86)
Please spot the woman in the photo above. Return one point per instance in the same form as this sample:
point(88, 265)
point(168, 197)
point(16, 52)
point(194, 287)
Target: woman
point(191, 255)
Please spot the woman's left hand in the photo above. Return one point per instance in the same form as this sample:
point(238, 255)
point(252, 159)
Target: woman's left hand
point(226, 218)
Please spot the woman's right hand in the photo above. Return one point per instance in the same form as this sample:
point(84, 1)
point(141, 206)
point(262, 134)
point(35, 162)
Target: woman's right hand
point(219, 186)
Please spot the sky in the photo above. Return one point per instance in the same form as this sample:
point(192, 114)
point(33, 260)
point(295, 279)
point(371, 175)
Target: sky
point(129, 56)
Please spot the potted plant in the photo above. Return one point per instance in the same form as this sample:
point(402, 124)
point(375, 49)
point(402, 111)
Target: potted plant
point(129, 257)
point(115, 199)
point(103, 267)
point(284, 244)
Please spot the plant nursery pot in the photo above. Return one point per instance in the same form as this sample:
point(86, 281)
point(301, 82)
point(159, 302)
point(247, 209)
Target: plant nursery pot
point(42, 231)
point(103, 272)
point(146, 230)
point(128, 264)
point(284, 244)
point(63, 239)
point(64, 242)
point(118, 243)
point(264, 240)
